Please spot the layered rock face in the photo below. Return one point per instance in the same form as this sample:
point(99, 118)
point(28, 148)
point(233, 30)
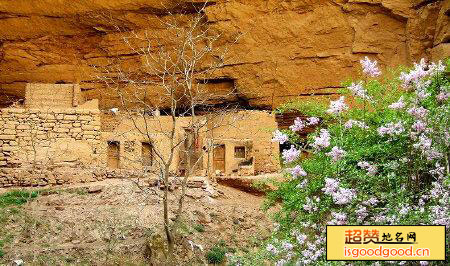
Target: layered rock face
point(278, 50)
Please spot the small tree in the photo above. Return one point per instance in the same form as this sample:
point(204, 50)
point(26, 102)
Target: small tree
point(168, 92)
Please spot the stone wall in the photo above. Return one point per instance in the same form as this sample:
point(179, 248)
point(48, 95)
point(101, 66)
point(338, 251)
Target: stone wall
point(36, 145)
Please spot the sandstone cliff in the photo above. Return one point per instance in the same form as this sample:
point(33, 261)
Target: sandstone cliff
point(286, 48)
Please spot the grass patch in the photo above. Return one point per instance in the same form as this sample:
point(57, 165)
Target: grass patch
point(16, 197)
point(9, 203)
point(199, 228)
point(216, 254)
point(51, 191)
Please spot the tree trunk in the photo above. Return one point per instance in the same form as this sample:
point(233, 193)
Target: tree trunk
point(167, 229)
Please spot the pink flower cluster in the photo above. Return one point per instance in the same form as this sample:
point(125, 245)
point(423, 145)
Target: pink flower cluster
point(435, 68)
point(418, 112)
point(302, 184)
point(322, 141)
point(361, 213)
point(443, 96)
point(371, 169)
point(280, 137)
point(439, 171)
point(370, 68)
point(339, 218)
point(309, 205)
point(338, 106)
point(336, 153)
point(400, 104)
point(298, 124)
point(404, 210)
point(312, 121)
point(291, 155)
point(331, 186)
point(311, 253)
point(391, 129)
point(371, 202)
point(419, 126)
point(350, 123)
point(272, 249)
point(425, 146)
point(301, 238)
point(358, 90)
point(441, 211)
point(340, 195)
point(344, 196)
point(421, 92)
point(414, 77)
point(297, 171)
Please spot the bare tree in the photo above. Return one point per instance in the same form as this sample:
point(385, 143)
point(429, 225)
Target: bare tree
point(168, 98)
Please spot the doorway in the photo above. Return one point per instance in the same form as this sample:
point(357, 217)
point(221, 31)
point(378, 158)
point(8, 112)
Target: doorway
point(219, 158)
point(113, 154)
point(147, 154)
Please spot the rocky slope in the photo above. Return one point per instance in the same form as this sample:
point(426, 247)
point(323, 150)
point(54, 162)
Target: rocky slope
point(286, 48)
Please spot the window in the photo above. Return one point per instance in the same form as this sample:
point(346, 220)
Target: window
point(113, 154)
point(239, 152)
point(128, 146)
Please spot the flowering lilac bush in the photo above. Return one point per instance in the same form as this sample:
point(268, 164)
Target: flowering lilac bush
point(383, 161)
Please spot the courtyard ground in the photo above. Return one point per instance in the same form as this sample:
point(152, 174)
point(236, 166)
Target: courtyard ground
point(115, 222)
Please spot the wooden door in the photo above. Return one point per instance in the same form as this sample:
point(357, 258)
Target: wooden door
point(219, 158)
point(147, 154)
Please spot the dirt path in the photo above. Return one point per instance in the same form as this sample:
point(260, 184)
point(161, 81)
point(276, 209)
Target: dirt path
point(119, 223)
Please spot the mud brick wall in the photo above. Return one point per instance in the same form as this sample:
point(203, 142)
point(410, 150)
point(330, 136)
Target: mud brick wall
point(35, 143)
point(256, 126)
point(39, 95)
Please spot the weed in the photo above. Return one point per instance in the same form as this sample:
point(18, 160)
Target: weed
point(199, 228)
point(184, 229)
point(216, 254)
point(8, 210)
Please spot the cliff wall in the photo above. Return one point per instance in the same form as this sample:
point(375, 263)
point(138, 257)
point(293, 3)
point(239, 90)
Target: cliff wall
point(277, 49)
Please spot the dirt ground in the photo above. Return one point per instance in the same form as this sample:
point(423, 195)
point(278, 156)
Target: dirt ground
point(114, 222)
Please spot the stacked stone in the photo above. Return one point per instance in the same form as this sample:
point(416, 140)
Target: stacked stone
point(24, 130)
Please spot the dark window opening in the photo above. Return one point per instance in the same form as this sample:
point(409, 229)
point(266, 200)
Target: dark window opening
point(239, 152)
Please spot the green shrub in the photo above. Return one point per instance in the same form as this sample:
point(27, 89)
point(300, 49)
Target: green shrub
point(216, 254)
point(380, 156)
point(199, 228)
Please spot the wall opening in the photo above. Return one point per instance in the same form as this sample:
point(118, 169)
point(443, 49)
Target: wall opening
point(239, 152)
point(113, 154)
point(219, 158)
point(147, 154)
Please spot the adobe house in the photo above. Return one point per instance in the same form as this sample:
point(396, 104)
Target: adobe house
point(58, 137)
point(243, 147)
